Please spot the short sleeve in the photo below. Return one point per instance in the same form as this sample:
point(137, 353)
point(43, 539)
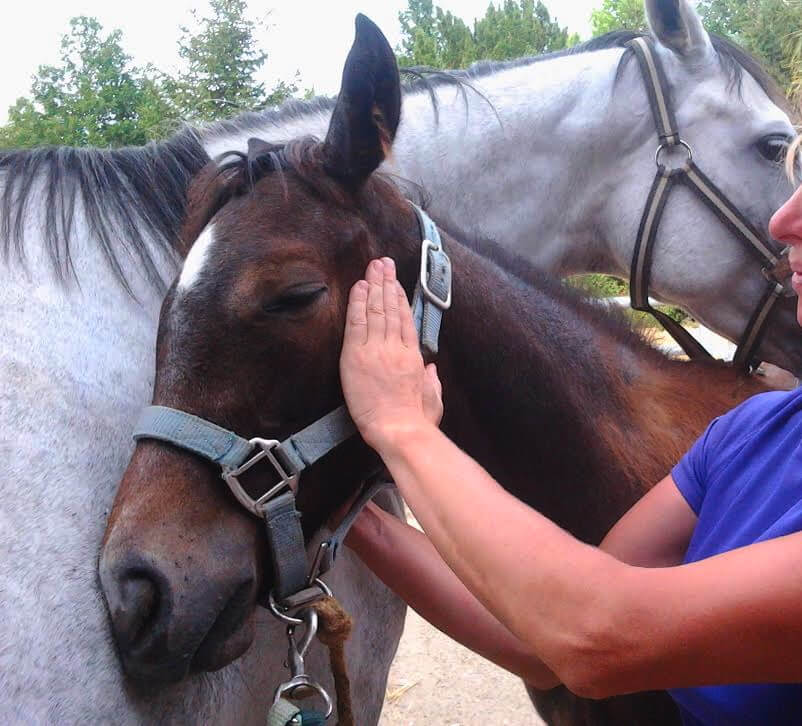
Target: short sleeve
point(691, 473)
point(723, 437)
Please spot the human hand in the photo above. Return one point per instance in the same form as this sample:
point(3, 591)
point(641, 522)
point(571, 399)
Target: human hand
point(432, 396)
point(387, 389)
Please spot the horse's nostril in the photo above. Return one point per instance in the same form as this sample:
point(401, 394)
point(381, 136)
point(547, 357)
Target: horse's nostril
point(135, 609)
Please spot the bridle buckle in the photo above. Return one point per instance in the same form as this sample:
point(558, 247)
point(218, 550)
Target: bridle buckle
point(271, 450)
point(780, 273)
point(443, 265)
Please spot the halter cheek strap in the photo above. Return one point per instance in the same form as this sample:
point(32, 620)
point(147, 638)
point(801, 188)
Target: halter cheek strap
point(288, 459)
point(432, 295)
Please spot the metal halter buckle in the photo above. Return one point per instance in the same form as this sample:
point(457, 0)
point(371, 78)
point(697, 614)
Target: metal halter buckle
point(436, 300)
point(268, 448)
point(780, 273)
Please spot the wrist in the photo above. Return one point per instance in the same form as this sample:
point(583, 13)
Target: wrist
point(393, 436)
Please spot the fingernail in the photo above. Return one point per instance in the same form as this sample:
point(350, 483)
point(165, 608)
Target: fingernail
point(388, 263)
point(376, 265)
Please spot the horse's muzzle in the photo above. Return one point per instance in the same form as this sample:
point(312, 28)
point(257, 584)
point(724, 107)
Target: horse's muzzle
point(170, 619)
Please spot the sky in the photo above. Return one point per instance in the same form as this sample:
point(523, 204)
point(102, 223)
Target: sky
point(312, 38)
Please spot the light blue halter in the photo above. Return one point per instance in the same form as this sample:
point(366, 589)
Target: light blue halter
point(236, 455)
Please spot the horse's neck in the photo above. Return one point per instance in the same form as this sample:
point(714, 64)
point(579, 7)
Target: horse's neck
point(531, 170)
point(488, 161)
point(571, 414)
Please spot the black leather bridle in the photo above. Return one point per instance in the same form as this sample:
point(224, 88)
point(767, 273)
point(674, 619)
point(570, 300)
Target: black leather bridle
point(774, 262)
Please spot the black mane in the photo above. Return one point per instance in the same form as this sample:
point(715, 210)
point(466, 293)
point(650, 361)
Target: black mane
point(734, 59)
point(133, 197)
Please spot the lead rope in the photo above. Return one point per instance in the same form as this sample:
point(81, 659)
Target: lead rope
point(327, 620)
point(334, 631)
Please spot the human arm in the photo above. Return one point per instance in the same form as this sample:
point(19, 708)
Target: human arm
point(656, 531)
point(605, 627)
point(602, 626)
point(405, 560)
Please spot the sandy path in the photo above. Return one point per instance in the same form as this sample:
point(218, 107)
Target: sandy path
point(436, 682)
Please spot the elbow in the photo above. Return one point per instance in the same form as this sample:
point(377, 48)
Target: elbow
point(592, 684)
point(595, 660)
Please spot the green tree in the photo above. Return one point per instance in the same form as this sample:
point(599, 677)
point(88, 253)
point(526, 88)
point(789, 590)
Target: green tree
point(93, 97)
point(518, 28)
point(433, 37)
point(618, 15)
point(765, 28)
point(725, 17)
point(222, 60)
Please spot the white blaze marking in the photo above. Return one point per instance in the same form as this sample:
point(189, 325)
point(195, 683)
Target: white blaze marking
point(196, 258)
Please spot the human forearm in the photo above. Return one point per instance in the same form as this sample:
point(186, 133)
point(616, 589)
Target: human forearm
point(550, 590)
point(407, 562)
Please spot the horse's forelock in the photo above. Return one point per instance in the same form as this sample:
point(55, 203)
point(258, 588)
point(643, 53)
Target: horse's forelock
point(235, 174)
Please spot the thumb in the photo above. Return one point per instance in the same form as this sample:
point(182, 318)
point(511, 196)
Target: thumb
point(434, 379)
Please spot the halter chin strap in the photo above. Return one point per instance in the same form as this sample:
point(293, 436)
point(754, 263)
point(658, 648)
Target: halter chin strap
point(775, 266)
point(288, 459)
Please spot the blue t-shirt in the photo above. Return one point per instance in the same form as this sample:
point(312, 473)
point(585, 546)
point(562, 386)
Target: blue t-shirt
point(743, 478)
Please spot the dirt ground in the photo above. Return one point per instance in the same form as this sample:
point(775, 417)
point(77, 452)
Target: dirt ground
point(436, 682)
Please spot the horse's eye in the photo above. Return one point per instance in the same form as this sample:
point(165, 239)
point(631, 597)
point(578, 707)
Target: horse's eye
point(295, 298)
point(774, 147)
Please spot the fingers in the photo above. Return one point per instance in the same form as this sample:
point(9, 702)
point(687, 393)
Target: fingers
point(409, 333)
point(380, 307)
point(375, 311)
point(431, 374)
point(356, 323)
point(432, 396)
point(392, 317)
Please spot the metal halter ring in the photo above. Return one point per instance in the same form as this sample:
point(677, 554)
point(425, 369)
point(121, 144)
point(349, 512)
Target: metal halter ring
point(664, 146)
point(281, 614)
point(305, 681)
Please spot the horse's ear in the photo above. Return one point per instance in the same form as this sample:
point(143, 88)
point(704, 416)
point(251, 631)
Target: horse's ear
point(208, 193)
point(368, 108)
point(677, 26)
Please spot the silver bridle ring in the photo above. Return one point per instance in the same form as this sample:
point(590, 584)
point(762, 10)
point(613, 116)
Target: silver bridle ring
point(281, 614)
point(304, 681)
point(664, 146)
